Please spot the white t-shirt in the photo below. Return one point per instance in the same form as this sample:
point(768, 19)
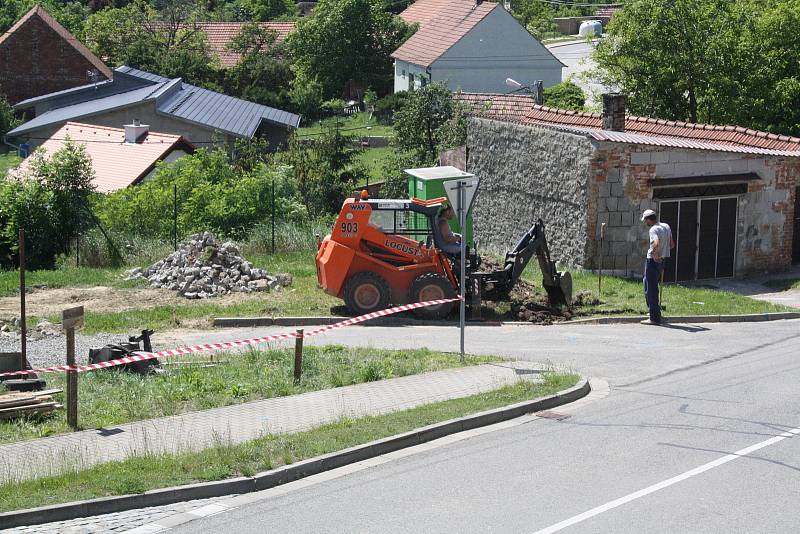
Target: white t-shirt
point(663, 232)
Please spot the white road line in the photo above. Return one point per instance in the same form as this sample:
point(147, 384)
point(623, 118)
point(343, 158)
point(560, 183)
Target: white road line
point(666, 483)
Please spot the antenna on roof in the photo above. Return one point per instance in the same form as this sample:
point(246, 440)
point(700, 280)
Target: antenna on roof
point(93, 75)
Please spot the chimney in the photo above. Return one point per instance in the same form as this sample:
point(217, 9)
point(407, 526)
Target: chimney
point(136, 131)
point(614, 112)
point(538, 92)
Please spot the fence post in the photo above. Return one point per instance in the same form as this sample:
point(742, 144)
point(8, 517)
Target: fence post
point(272, 211)
point(70, 320)
point(175, 215)
point(298, 355)
point(23, 325)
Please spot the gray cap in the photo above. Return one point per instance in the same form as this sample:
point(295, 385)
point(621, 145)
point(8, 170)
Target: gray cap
point(648, 213)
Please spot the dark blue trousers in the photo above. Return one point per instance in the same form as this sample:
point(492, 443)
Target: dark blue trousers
point(652, 274)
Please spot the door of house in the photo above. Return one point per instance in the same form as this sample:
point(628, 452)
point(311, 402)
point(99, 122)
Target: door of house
point(796, 233)
point(704, 230)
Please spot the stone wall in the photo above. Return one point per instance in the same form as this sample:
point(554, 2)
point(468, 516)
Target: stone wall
point(527, 173)
point(621, 187)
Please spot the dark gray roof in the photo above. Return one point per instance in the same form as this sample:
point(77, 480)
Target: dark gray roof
point(85, 109)
point(172, 97)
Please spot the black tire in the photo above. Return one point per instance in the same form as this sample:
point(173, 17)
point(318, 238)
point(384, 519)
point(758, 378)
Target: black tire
point(366, 292)
point(432, 286)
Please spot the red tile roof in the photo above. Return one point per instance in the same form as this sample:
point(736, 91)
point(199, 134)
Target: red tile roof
point(61, 31)
point(731, 135)
point(116, 164)
point(508, 107)
point(608, 10)
point(423, 11)
point(221, 33)
point(437, 35)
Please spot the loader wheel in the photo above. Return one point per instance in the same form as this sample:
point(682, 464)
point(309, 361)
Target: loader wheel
point(366, 292)
point(432, 286)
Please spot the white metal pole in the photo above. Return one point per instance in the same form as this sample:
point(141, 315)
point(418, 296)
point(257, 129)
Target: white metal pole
point(462, 220)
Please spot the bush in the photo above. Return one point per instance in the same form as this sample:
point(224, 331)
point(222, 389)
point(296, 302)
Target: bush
point(7, 119)
point(49, 203)
point(565, 95)
point(211, 194)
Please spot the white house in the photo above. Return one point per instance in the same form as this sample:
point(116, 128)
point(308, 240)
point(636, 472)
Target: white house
point(473, 46)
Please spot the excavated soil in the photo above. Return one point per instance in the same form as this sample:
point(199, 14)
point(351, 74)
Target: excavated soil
point(528, 302)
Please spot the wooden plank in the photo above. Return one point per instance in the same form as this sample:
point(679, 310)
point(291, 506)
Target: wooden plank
point(11, 413)
point(45, 392)
point(32, 401)
point(72, 318)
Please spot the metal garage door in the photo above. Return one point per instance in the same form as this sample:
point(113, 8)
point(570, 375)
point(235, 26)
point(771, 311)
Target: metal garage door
point(704, 230)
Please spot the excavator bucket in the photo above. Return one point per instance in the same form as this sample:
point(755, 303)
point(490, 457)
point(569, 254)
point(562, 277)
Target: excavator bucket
point(561, 293)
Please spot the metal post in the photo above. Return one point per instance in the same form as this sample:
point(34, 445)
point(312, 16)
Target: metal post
point(298, 355)
point(600, 269)
point(273, 215)
point(23, 325)
point(462, 221)
point(77, 249)
point(175, 215)
point(72, 381)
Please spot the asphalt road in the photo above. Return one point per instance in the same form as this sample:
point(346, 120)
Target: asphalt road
point(700, 433)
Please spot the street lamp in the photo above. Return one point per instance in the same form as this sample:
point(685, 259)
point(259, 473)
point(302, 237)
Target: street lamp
point(537, 90)
point(514, 84)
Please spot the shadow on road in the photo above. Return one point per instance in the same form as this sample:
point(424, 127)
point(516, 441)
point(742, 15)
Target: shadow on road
point(693, 329)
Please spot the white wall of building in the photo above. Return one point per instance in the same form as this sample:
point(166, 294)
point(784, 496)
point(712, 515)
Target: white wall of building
point(405, 72)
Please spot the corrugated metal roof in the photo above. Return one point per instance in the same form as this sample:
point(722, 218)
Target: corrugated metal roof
point(85, 109)
point(173, 97)
point(116, 164)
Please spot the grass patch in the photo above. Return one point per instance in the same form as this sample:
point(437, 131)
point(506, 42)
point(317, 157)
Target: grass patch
point(375, 159)
point(65, 277)
point(9, 160)
point(137, 475)
point(112, 398)
point(783, 284)
point(358, 124)
point(623, 296)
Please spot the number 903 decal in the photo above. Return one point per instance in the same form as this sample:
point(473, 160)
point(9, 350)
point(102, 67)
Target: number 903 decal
point(349, 228)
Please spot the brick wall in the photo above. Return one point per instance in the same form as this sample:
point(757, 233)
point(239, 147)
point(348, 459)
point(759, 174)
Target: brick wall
point(35, 60)
point(621, 188)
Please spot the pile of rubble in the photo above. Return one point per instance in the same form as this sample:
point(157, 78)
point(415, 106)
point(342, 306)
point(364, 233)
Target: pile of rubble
point(44, 329)
point(203, 267)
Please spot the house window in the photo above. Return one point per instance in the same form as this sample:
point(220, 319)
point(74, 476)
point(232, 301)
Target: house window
point(410, 80)
point(404, 73)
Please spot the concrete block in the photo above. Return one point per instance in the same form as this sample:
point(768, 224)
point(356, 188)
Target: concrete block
point(611, 203)
point(614, 175)
point(677, 156)
point(665, 170)
point(614, 219)
point(617, 190)
point(640, 158)
point(731, 166)
point(627, 218)
point(691, 169)
point(604, 190)
point(620, 248)
point(659, 157)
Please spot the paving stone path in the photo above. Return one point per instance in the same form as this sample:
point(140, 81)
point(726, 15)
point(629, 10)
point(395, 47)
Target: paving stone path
point(243, 422)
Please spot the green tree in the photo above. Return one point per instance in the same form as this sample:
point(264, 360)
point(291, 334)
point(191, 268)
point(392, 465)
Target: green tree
point(70, 14)
point(49, 202)
point(344, 41)
point(166, 41)
point(536, 16)
point(565, 95)
point(7, 119)
point(261, 10)
point(263, 75)
point(424, 122)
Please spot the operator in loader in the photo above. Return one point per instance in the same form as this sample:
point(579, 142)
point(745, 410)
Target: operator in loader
point(661, 242)
point(452, 241)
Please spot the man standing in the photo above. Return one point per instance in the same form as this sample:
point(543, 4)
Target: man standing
point(660, 244)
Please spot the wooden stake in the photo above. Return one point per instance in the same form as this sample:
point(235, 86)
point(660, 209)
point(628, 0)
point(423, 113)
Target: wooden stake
point(23, 325)
point(72, 382)
point(298, 355)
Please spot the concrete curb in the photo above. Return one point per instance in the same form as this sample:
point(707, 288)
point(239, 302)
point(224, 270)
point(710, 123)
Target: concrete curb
point(288, 473)
point(232, 322)
point(751, 318)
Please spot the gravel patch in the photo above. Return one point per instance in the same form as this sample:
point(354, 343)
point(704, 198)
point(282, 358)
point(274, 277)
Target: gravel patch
point(51, 350)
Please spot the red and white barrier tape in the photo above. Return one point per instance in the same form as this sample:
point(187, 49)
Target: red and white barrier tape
point(206, 347)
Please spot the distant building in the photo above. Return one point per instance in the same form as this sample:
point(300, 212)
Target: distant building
point(200, 116)
point(472, 46)
point(39, 56)
point(221, 34)
point(121, 157)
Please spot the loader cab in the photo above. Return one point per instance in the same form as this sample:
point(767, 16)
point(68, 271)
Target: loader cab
point(414, 218)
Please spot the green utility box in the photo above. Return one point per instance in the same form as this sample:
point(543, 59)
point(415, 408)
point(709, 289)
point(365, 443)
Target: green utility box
point(428, 183)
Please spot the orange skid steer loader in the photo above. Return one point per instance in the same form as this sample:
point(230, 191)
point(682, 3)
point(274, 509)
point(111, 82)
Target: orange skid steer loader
point(390, 252)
